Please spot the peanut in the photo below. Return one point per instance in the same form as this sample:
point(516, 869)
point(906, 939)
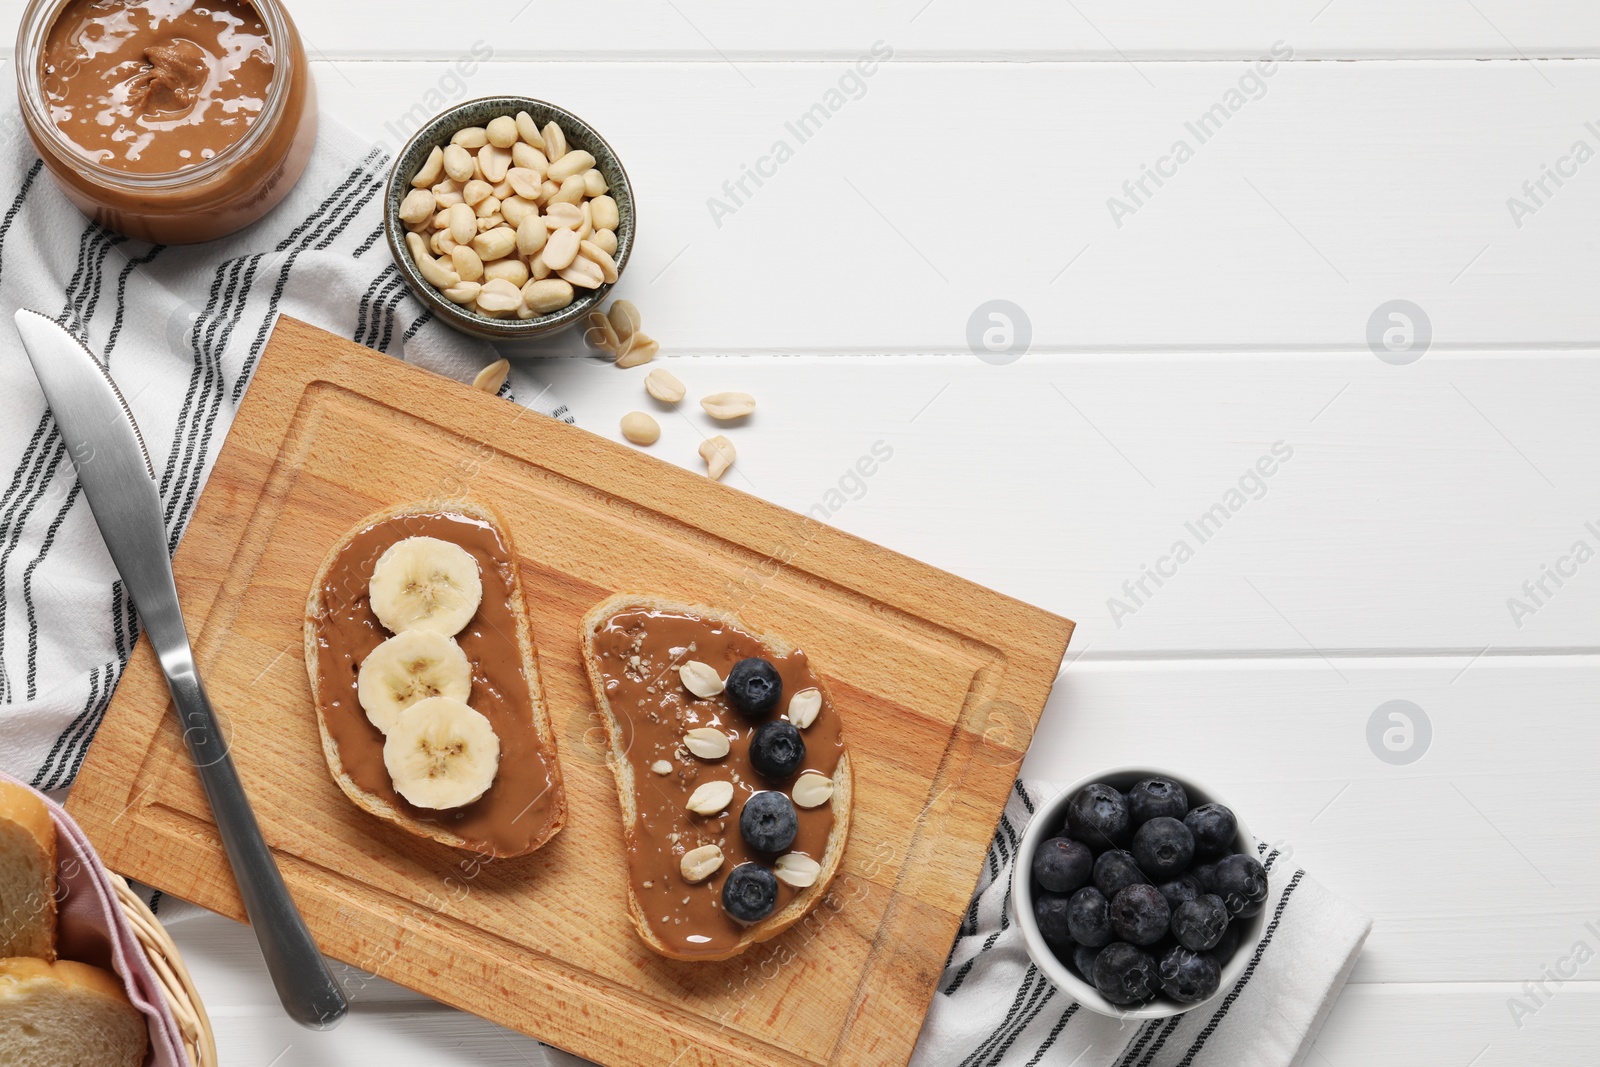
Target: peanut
point(547, 295)
point(468, 264)
point(640, 428)
point(528, 130)
point(606, 215)
point(492, 377)
point(625, 319)
point(719, 454)
point(472, 138)
point(463, 223)
point(499, 296)
point(585, 273)
point(701, 863)
point(502, 131)
point(594, 183)
point(498, 243)
point(574, 162)
point(527, 157)
point(555, 141)
point(710, 798)
point(431, 169)
point(418, 206)
point(724, 406)
point(561, 249)
point(661, 384)
point(531, 235)
point(507, 270)
point(458, 163)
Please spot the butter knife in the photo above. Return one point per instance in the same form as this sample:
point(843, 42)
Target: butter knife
point(119, 482)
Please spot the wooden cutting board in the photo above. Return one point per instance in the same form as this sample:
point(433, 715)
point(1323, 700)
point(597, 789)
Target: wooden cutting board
point(939, 684)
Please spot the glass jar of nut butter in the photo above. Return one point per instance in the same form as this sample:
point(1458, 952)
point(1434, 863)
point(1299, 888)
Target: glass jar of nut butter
point(172, 121)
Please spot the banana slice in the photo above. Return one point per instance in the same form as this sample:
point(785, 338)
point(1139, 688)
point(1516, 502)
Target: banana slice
point(409, 667)
point(423, 583)
point(441, 754)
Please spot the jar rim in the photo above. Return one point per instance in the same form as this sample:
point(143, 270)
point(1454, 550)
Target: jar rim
point(42, 15)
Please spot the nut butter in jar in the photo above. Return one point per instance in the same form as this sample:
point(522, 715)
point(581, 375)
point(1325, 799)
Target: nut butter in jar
point(172, 121)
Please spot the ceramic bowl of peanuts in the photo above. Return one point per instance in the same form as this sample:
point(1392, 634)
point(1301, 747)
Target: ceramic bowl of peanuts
point(510, 217)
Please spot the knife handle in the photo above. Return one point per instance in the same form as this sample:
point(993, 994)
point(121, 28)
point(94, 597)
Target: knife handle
point(306, 987)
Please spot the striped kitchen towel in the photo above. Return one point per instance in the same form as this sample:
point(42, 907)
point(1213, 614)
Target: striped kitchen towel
point(181, 329)
point(994, 1008)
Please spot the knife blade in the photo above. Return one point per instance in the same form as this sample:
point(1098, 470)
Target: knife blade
point(118, 480)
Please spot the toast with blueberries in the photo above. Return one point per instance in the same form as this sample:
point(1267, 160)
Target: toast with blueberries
point(732, 773)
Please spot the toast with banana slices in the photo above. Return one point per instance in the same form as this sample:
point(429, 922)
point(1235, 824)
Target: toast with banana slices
point(426, 681)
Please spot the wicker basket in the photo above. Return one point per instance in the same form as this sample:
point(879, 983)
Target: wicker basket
point(198, 1041)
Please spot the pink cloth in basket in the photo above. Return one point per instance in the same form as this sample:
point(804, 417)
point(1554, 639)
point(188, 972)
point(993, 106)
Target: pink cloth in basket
point(94, 930)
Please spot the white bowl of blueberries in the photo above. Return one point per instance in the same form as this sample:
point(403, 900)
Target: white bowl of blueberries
point(1139, 894)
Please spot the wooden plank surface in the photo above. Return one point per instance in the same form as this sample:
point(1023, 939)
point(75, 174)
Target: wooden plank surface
point(939, 684)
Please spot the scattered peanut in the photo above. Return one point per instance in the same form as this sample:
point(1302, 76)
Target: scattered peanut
point(701, 863)
point(492, 377)
point(599, 332)
point(812, 790)
point(662, 767)
point(624, 318)
point(640, 428)
point(797, 869)
point(661, 384)
point(724, 406)
point(706, 742)
point(711, 798)
point(804, 706)
point(719, 454)
point(701, 679)
point(636, 350)
point(509, 202)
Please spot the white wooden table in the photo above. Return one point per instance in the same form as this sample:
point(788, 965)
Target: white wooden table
point(1175, 339)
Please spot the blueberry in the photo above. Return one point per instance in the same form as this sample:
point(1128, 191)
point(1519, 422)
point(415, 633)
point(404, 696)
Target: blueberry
point(751, 892)
point(1098, 816)
point(1125, 975)
point(1062, 865)
point(1241, 882)
point(1189, 977)
point(776, 749)
point(768, 822)
point(1050, 911)
point(1139, 915)
point(1089, 918)
point(1200, 924)
point(1182, 888)
point(1205, 876)
point(1214, 829)
point(1083, 960)
point(1115, 871)
point(754, 686)
point(1155, 797)
point(1230, 941)
point(1163, 847)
